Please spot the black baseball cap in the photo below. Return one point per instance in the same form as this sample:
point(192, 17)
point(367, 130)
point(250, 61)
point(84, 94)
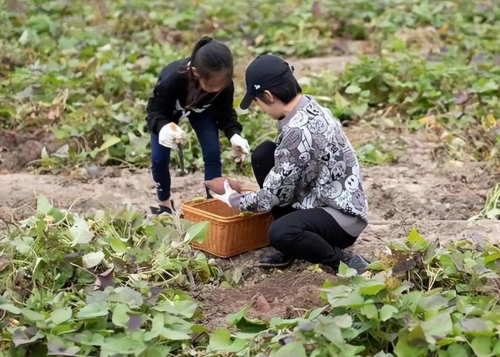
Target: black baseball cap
point(265, 72)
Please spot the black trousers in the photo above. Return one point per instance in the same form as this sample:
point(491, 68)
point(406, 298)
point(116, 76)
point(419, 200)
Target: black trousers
point(312, 234)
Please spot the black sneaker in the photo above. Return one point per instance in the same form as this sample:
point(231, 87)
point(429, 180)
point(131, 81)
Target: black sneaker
point(164, 209)
point(357, 262)
point(275, 259)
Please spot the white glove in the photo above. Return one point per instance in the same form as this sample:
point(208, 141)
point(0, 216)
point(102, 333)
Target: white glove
point(240, 146)
point(172, 135)
point(225, 197)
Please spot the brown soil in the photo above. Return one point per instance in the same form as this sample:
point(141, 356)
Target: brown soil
point(286, 294)
point(19, 149)
point(306, 66)
point(122, 188)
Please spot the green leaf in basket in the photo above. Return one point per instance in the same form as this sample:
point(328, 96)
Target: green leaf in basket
point(197, 232)
point(245, 214)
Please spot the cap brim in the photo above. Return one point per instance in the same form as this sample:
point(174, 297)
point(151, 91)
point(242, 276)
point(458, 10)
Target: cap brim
point(247, 101)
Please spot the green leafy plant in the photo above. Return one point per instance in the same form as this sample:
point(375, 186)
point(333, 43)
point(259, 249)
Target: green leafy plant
point(419, 300)
point(491, 208)
point(370, 154)
point(103, 284)
point(86, 71)
point(115, 320)
point(76, 286)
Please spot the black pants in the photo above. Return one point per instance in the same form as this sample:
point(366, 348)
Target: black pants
point(312, 234)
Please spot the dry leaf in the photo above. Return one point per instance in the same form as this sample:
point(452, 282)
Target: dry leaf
point(262, 304)
point(462, 97)
point(54, 113)
point(316, 9)
point(490, 121)
point(4, 262)
point(259, 39)
point(444, 29)
point(61, 98)
point(428, 120)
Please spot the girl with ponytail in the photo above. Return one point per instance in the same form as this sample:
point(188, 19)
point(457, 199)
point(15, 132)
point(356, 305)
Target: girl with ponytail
point(200, 89)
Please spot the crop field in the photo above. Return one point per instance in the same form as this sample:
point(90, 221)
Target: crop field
point(86, 270)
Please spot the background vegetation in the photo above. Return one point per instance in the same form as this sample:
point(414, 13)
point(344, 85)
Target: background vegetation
point(85, 70)
point(117, 283)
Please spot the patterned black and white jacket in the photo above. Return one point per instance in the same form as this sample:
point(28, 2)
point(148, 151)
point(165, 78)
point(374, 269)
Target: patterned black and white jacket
point(315, 167)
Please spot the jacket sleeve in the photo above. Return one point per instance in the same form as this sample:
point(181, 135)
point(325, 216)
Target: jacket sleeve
point(227, 119)
point(161, 104)
point(281, 183)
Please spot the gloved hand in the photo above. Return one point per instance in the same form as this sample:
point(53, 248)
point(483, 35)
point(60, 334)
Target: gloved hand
point(171, 135)
point(240, 146)
point(225, 197)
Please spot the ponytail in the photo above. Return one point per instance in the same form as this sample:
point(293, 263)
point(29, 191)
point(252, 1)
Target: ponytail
point(202, 42)
point(210, 58)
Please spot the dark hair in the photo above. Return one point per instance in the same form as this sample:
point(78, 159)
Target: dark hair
point(285, 92)
point(210, 58)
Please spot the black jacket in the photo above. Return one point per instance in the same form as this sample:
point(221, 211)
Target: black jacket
point(171, 91)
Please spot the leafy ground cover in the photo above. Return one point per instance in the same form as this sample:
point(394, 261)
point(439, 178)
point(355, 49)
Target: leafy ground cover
point(118, 284)
point(84, 70)
point(62, 275)
point(491, 208)
point(421, 300)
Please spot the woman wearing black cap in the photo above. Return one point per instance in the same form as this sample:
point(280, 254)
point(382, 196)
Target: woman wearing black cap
point(310, 179)
point(199, 88)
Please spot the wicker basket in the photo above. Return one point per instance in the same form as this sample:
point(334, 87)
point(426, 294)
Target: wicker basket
point(229, 233)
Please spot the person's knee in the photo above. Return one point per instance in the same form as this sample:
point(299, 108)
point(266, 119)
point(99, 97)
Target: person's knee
point(263, 152)
point(212, 155)
point(212, 160)
point(275, 235)
point(159, 160)
point(282, 235)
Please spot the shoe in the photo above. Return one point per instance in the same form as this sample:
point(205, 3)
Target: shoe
point(164, 209)
point(275, 259)
point(160, 209)
point(357, 262)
